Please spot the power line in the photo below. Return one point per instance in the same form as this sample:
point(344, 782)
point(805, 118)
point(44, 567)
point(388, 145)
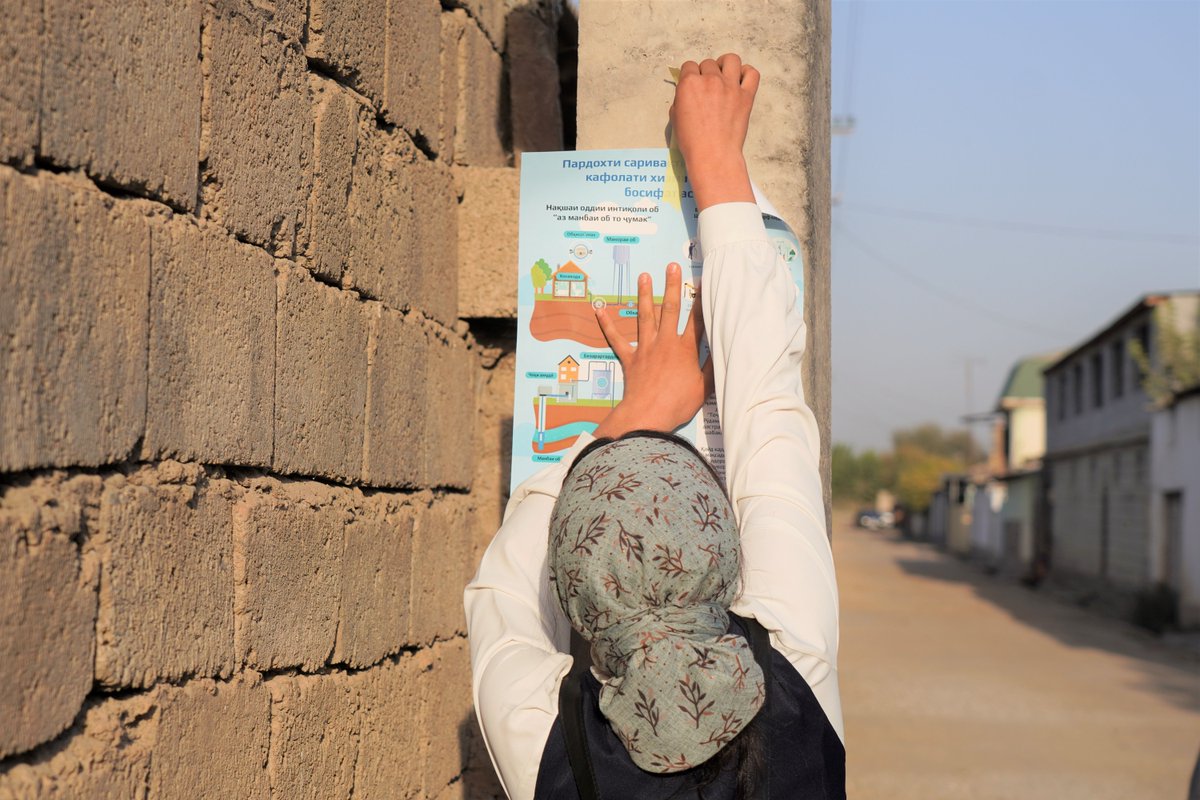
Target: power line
point(934, 289)
point(1031, 227)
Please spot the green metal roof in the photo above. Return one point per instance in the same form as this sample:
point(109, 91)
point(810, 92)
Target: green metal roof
point(1025, 378)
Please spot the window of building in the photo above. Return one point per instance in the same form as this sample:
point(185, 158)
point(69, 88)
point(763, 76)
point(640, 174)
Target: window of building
point(1062, 395)
point(1077, 387)
point(1142, 334)
point(1097, 380)
point(1118, 368)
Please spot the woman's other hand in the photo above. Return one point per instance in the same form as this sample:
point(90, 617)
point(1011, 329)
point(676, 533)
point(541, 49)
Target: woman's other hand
point(664, 383)
point(710, 117)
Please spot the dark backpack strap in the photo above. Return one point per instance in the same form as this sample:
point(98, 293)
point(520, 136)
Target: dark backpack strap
point(760, 644)
point(570, 709)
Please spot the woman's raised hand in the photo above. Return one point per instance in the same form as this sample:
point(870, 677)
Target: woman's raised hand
point(710, 117)
point(664, 382)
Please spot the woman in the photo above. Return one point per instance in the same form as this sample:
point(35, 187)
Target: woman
point(715, 665)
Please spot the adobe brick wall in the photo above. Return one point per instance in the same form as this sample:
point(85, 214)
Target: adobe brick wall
point(250, 444)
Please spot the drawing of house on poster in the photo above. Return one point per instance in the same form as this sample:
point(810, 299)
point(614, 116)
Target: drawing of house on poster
point(590, 223)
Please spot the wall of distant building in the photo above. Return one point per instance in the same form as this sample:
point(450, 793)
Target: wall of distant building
point(1099, 514)
point(1175, 503)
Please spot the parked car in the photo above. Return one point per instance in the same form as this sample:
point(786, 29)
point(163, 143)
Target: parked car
point(873, 520)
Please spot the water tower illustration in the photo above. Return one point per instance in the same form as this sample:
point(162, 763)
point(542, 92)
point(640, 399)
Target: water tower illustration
point(620, 256)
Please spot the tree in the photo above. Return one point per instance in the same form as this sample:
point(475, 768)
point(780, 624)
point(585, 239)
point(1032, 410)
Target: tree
point(1178, 364)
point(912, 471)
point(858, 478)
point(843, 472)
point(540, 273)
point(919, 474)
point(932, 438)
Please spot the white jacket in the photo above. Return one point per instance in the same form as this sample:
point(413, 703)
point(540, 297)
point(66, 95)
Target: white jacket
point(518, 633)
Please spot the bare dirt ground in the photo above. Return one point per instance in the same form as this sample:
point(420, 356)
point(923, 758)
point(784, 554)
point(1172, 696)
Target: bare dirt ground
point(960, 685)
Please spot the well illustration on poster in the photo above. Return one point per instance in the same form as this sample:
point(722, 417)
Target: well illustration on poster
point(590, 223)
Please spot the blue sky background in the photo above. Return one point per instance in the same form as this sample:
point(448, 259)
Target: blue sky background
point(995, 118)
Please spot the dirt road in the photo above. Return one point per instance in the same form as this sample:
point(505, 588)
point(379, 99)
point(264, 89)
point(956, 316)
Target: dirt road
point(959, 685)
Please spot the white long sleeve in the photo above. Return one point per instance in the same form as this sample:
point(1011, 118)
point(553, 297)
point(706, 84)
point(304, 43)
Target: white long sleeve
point(757, 334)
point(519, 636)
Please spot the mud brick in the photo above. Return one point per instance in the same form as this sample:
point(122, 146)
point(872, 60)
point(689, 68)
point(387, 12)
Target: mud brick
point(435, 204)
point(213, 740)
point(108, 756)
point(48, 593)
point(121, 93)
point(75, 267)
point(442, 551)
point(480, 132)
point(166, 611)
point(487, 242)
point(287, 576)
point(314, 736)
point(320, 378)
point(373, 619)
point(212, 347)
point(452, 379)
point(396, 425)
point(391, 705)
point(258, 142)
point(20, 81)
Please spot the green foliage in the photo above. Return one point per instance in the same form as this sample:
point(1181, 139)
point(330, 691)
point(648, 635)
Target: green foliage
point(540, 274)
point(912, 471)
point(957, 445)
point(919, 474)
point(858, 478)
point(1177, 366)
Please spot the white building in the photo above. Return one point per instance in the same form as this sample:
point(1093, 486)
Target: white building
point(1097, 471)
point(1006, 519)
point(1175, 501)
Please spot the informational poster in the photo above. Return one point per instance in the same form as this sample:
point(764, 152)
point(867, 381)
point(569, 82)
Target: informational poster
point(591, 222)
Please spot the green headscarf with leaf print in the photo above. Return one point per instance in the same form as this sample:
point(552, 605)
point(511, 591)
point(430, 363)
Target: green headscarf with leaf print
point(644, 556)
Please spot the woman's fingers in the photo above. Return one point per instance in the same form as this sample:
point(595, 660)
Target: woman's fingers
point(647, 325)
point(611, 335)
point(731, 67)
point(709, 67)
point(669, 321)
point(689, 68)
point(750, 79)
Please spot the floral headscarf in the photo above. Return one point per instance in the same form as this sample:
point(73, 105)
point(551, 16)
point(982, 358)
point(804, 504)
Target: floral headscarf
point(644, 555)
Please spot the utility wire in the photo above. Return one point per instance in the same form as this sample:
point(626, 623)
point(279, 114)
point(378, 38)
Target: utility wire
point(934, 289)
point(1031, 227)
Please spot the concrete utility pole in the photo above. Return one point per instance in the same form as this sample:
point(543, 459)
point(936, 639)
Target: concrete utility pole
point(625, 48)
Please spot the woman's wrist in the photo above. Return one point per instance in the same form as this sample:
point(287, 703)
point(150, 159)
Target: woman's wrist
point(625, 418)
point(719, 178)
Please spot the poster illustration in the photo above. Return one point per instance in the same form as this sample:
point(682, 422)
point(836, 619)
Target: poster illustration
point(590, 223)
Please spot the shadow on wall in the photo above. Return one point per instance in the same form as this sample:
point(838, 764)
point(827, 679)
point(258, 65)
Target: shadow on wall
point(479, 779)
point(1160, 669)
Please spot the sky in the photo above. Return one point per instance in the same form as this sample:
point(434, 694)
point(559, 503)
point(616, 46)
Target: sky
point(1018, 175)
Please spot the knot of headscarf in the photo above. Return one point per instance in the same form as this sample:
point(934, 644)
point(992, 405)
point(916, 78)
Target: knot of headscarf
point(644, 556)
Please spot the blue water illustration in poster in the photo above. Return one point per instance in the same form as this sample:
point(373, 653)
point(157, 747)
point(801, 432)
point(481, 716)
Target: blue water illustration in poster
point(590, 223)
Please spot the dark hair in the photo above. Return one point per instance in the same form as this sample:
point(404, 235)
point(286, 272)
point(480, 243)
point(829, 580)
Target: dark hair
point(745, 754)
